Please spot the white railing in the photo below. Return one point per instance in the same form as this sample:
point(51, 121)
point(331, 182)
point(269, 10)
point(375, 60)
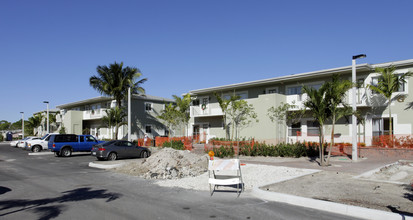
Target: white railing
point(196, 111)
point(94, 114)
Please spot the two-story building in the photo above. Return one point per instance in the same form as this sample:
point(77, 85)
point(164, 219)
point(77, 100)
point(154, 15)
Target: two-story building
point(86, 117)
point(207, 117)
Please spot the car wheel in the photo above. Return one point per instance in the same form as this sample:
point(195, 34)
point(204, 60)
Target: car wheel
point(36, 149)
point(57, 154)
point(144, 154)
point(66, 152)
point(112, 156)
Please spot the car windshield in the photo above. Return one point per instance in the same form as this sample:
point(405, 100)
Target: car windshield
point(108, 143)
point(44, 137)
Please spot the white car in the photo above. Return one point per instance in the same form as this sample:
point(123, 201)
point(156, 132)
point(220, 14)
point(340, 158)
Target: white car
point(39, 144)
point(14, 143)
point(22, 143)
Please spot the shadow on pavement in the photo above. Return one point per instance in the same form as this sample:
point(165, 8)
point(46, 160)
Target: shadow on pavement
point(45, 208)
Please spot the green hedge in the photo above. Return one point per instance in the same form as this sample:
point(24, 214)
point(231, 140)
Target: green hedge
point(280, 150)
point(177, 145)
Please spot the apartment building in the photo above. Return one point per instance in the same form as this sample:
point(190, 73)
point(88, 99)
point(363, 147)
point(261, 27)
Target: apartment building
point(86, 117)
point(207, 117)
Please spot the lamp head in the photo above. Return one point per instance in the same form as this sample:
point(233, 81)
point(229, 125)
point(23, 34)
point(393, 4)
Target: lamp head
point(359, 56)
point(46, 102)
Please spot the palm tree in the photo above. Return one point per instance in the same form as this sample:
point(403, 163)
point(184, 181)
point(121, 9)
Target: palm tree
point(114, 117)
point(389, 83)
point(336, 92)
point(183, 105)
point(35, 121)
point(320, 111)
point(115, 80)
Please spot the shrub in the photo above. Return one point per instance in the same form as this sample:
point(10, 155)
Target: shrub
point(174, 144)
point(1, 137)
point(224, 151)
point(279, 150)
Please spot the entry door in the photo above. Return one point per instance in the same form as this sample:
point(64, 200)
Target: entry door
point(204, 132)
point(196, 133)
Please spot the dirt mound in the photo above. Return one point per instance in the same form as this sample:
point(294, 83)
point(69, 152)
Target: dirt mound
point(167, 163)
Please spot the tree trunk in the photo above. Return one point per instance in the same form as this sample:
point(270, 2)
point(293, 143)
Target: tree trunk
point(116, 132)
point(320, 147)
point(332, 140)
point(390, 124)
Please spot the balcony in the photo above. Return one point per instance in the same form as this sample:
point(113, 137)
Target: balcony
point(94, 114)
point(197, 111)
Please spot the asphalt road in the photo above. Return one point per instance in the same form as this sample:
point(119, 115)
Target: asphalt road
point(48, 187)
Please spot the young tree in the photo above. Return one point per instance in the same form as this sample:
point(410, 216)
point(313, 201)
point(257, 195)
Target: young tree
point(114, 117)
point(319, 108)
point(335, 95)
point(241, 115)
point(114, 81)
point(389, 83)
point(283, 113)
point(224, 104)
point(171, 116)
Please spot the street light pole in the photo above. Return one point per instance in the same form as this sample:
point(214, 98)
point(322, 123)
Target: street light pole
point(47, 102)
point(354, 154)
point(22, 124)
point(129, 115)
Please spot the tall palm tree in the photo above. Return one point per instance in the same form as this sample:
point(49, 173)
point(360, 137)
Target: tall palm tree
point(114, 117)
point(336, 92)
point(320, 111)
point(389, 83)
point(114, 80)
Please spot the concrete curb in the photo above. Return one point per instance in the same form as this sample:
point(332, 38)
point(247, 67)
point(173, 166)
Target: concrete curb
point(337, 208)
point(41, 153)
point(105, 166)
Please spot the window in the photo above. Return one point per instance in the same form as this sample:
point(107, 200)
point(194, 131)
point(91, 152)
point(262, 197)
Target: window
point(295, 129)
point(148, 106)
point(296, 90)
point(381, 126)
point(375, 82)
point(312, 128)
point(82, 139)
point(148, 129)
point(90, 139)
point(271, 90)
point(195, 102)
point(242, 95)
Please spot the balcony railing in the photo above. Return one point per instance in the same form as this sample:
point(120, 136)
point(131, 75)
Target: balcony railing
point(197, 111)
point(94, 114)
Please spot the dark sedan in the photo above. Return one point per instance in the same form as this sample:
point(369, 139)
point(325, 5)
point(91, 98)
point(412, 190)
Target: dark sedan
point(113, 150)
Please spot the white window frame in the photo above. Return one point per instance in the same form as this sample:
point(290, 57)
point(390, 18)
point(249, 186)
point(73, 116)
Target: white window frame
point(151, 104)
point(148, 125)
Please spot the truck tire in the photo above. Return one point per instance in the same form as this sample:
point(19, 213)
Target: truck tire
point(36, 148)
point(57, 154)
point(66, 152)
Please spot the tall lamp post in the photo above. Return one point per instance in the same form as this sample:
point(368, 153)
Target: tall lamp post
point(129, 115)
point(47, 102)
point(22, 124)
point(354, 154)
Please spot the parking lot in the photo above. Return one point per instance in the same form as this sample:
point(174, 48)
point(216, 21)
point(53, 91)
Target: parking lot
point(48, 187)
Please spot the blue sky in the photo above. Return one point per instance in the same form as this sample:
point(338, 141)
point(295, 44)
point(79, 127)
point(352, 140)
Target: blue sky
point(50, 49)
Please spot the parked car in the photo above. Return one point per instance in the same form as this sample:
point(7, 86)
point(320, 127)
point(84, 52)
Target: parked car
point(39, 144)
point(113, 150)
point(65, 144)
point(14, 143)
point(22, 143)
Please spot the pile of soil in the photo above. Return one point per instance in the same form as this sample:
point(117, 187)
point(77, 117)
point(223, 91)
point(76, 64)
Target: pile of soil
point(167, 163)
